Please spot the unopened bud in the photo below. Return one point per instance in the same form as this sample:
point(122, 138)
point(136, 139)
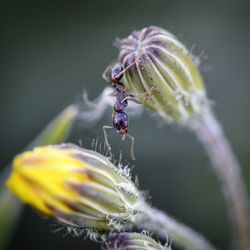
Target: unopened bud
point(75, 186)
point(156, 60)
point(127, 241)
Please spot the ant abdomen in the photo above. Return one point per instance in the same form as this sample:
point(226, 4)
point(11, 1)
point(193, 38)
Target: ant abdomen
point(120, 122)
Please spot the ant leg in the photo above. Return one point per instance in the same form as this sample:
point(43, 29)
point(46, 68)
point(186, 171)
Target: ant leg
point(132, 149)
point(106, 137)
point(146, 96)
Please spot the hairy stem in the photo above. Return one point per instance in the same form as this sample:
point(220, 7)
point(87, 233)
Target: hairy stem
point(160, 223)
point(228, 171)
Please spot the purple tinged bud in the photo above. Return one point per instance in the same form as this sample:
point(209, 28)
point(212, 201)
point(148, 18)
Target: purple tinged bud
point(156, 59)
point(132, 241)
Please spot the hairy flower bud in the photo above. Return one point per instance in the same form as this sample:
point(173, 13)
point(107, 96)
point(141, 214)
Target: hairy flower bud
point(127, 241)
point(155, 59)
point(75, 186)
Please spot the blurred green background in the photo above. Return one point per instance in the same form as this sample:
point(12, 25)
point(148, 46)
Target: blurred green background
point(52, 50)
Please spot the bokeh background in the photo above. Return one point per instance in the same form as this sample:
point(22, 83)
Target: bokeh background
point(52, 50)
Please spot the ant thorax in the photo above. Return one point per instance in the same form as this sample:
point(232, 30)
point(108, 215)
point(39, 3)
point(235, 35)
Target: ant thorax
point(121, 103)
point(120, 118)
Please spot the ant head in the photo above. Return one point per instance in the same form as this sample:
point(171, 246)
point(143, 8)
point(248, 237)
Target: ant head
point(117, 72)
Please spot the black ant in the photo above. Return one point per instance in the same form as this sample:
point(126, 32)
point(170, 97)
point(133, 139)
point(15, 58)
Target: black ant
point(120, 118)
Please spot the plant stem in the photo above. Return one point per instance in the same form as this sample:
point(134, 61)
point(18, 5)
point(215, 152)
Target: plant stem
point(228, 171)
point(55, 132)
point(160, 223)
point(10, 211)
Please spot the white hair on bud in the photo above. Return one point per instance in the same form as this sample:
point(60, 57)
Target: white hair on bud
point(92, 111)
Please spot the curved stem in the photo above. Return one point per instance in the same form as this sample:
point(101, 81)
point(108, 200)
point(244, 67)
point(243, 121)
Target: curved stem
point(55, 132)
point(227, 169)
point(160, 223)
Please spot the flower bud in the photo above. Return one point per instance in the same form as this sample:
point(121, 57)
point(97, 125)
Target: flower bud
point(127, 241)
point(75, 186)
point(155, 59)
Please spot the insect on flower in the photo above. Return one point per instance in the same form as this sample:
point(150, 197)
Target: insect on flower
point(120, 119)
